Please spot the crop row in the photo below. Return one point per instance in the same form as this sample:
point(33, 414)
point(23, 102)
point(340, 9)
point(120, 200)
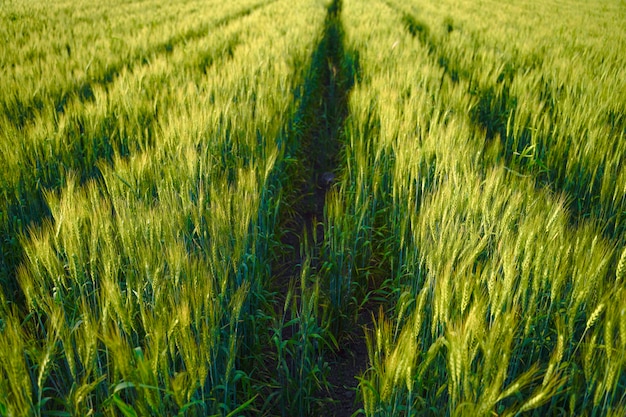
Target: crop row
point(498, 303)
point(122, 116)
point(96, 51)
point(554, 113)
point(143, 290)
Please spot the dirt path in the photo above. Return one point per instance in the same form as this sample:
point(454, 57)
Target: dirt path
point(323, 111)
point(349, 363)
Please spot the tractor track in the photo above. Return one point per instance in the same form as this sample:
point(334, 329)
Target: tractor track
point(316, 133)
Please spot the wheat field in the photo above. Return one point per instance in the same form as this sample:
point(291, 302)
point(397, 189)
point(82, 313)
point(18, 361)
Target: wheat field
point(210, 208)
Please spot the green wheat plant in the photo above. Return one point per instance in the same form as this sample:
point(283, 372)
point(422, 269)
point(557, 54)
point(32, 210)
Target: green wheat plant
point(169, 244)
